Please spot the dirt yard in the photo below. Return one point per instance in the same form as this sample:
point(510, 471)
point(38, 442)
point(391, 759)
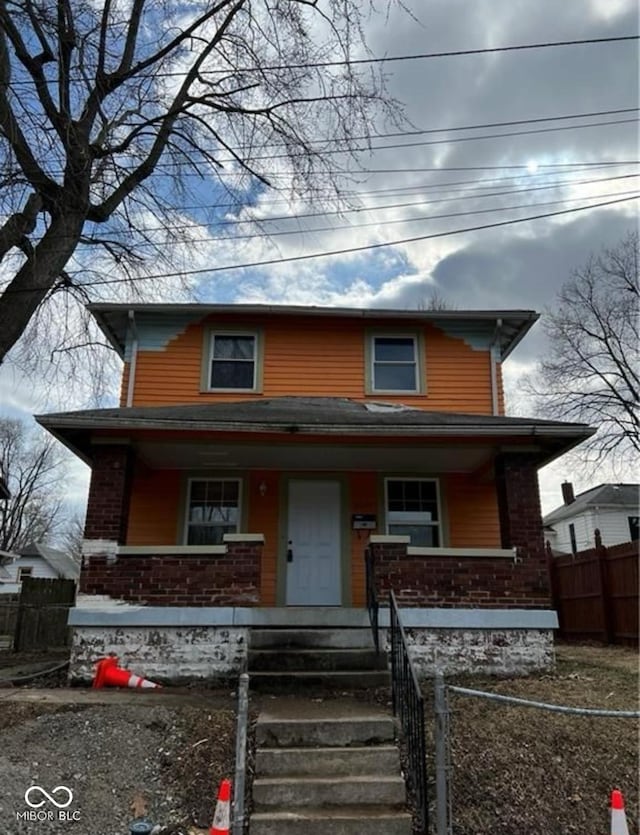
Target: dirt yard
point(525, 771)
point(152, 754)
point(515, 770)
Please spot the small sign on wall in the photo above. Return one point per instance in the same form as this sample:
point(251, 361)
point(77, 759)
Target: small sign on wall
point(364, 522)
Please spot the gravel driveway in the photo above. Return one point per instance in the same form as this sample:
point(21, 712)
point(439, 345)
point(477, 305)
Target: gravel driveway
point(162, 756)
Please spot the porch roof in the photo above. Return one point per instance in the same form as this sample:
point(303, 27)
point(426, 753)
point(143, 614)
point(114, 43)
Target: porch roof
point(293, 418)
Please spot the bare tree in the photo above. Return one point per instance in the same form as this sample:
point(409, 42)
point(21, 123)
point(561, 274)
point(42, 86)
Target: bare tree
point(112, 113)
point(591, 372)
point(32, 467)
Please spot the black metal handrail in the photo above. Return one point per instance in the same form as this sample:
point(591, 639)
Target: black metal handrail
point(408, 704)
point(372, 596)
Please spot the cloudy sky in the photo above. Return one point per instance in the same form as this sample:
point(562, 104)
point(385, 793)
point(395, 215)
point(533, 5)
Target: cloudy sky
point(440, 176)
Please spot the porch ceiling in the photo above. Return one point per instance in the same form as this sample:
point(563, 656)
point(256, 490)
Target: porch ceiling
point(297, 456)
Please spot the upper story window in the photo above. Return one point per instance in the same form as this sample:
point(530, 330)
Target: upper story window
point(213, 510)
point(25, 572)
point(233, 359)
point(412, 509)
point(395, 364)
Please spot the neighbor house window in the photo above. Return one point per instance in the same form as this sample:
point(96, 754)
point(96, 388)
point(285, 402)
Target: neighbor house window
point(633, 528)
point(213, 511)
point(412, 509)
point(233, 361)
point(24, 572)
point(572, 537)
point(394, 364)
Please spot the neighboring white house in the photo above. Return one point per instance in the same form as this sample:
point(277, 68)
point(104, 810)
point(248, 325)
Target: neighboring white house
point(610, 508)
point(35, 560)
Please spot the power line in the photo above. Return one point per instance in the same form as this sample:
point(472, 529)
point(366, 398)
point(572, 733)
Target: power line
point(525, 168)
point(366, 209)
point(349, 250)
point(366, 148)
point(161, 168)
point(193, 241)
point(242, 172)
point(469, 196)
point(352, 62)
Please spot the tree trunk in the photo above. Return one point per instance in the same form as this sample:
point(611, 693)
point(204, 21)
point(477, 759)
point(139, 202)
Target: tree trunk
point(36, 277)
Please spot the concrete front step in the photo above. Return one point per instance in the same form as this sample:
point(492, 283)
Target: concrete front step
point(309, 638)
point(315, 660)
point(312, 681)
point(370, 789)
point(345, 820)
point(273, 762)
point(324, 732)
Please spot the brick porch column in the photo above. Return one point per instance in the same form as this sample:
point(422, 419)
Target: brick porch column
point(108, 504)
point(520, 514)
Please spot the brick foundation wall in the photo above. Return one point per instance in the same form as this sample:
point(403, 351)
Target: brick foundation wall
point(109, 493)
point(231, 579)
point(450, 582)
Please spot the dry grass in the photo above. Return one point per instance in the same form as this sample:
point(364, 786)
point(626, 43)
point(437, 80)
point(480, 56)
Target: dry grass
point(532, 772)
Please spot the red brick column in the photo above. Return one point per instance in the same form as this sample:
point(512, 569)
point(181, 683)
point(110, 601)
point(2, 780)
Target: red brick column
point(521, 517)
point(108, 504)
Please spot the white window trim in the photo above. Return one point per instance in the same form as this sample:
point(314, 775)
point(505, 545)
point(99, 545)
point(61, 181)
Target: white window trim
point(412, 517)
point(213, 332)
point(417, 365)
point(187, 524)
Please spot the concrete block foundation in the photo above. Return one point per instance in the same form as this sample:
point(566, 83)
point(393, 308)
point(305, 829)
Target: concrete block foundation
point(180, 645)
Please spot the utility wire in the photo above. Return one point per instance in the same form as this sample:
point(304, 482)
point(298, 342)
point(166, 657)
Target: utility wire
point(366, 148)
point(164, 168)
point(573, 167)
point(388, 59)
point(469, 196)
point(420, 218)
point(346, 251)
point(242, 172)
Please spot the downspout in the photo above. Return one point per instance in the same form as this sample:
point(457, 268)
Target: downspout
point(133, 359)
point(494, 355)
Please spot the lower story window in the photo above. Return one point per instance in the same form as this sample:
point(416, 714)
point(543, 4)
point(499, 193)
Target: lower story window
point(213, 511)
point(412, 510)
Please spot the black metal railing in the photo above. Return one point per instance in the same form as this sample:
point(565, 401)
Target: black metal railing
point(408, 704)
point(372, 596)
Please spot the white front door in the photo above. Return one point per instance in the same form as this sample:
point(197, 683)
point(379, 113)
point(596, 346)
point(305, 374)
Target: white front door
point(313, 549)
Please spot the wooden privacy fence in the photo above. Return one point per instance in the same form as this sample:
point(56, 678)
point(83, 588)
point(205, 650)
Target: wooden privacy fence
point(43, 611)
point(595, 593)
point(8, 617)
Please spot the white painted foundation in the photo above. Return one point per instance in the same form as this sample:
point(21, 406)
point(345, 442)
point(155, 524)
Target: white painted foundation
point(179, 645)
point(166, 654)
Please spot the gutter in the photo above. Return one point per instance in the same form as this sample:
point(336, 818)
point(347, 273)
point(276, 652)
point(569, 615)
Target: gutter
point(494, 353)
point(293, 428)
point(133, 361)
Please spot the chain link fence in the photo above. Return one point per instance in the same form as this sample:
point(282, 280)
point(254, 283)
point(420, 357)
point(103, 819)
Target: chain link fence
point(507, 765)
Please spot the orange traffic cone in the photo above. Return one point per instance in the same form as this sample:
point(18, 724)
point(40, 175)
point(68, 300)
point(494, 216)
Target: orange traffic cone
point(618, 817)
point(108, 674)
point(221, 818)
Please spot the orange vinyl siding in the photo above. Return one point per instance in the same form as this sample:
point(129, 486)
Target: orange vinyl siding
point(263, 518)
point(316, 357)
point(363, 489)
point(472, 511)
point(154, 507)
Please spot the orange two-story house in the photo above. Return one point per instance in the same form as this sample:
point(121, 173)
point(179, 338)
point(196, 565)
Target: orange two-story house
point(258, 450)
